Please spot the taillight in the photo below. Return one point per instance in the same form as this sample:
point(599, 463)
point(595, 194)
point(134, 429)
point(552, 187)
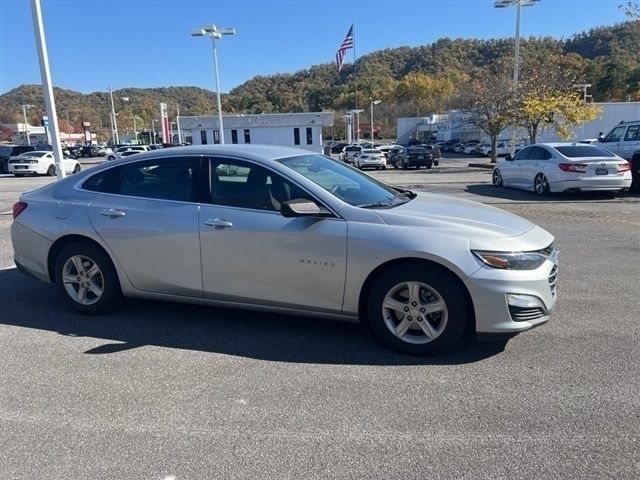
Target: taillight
point(573, 167)
point(624, 167)
point(18, 208)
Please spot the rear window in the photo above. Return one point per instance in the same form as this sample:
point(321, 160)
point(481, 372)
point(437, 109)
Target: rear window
point(582, 151)
point(353, 149)
point(417, 150)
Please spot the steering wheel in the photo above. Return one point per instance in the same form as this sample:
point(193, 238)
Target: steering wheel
point(337, 191)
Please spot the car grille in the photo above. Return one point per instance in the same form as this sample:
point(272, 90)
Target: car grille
point(553, 279)
point(520, 314)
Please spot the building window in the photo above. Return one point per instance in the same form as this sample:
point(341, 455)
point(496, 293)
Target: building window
point(234, 136)
point(309, 136)
point(216, 136)
point(203, 137)
point(247, 136)
point(188, 139)
point(296, 136)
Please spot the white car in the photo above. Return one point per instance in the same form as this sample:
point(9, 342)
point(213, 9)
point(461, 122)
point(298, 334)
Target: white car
point(350, 152)
point(563, 167)
point(386, 149)
point(118, 153)
point(371, 158)
point(40, 163)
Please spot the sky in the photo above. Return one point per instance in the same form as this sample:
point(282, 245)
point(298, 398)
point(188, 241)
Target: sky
point(146, 43)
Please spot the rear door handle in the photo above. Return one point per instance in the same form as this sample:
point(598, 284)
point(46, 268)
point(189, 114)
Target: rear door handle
point(218, 222)
point(112, 213)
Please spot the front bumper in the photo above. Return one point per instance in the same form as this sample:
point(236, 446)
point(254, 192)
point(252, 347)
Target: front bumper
point(512, 301)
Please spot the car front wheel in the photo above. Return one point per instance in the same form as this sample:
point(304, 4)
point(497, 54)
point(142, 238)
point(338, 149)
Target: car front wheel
point(51, 171)
point(418, 310)
point(87, 279)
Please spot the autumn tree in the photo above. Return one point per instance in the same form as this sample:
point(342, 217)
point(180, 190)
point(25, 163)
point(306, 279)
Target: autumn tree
point(488, 102)
point(547, 96)
point(425, 93)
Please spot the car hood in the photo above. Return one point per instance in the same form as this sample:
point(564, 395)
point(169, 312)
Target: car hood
point(481, 224)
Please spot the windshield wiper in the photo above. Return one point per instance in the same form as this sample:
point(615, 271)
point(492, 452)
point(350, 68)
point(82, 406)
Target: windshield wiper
point(374, 205)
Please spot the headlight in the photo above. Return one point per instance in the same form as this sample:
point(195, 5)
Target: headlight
point(511, 260)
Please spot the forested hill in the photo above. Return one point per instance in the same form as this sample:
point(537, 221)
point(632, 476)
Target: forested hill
point(606, 57)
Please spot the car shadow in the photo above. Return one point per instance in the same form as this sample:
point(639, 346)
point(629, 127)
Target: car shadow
point(243, 333)
point(506, 193)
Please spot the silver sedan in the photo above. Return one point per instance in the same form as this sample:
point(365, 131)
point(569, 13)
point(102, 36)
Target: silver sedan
point(284, 230)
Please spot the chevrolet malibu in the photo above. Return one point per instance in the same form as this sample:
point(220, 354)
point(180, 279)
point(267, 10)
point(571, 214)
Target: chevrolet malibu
point(283, 230)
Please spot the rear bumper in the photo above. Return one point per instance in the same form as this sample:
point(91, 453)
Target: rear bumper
point(605, 182)
point(26, 169)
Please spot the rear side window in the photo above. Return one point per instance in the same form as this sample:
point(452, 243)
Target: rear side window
point(164, 179)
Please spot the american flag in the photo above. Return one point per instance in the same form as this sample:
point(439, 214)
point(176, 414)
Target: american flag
point(347, 43)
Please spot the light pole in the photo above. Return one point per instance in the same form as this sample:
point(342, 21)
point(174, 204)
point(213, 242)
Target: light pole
point(26, 126)
point(357, 113)
point(215, 33)
point(178, 123)
point(153, 129)
point(114, 123)
point(516, 64)
point(375, 102)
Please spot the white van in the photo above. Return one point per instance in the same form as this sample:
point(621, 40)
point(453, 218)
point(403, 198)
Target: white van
point(623, 139)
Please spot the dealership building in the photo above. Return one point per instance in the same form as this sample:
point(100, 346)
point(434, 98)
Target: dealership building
point(303, 130)
point(453, 125)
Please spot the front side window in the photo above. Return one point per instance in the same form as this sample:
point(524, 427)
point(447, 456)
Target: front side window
point(615, 135)
point(522, 154)
point(236, 183)
point(538, 153)
point(166, 179)
point(345, 182)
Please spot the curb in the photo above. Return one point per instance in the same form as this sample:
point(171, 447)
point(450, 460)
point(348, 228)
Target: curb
point(488, 166)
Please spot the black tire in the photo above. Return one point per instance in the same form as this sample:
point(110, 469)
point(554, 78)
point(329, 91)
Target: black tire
point(496, 178)
point(51, 171)
point(541, 185)
point(405, 166)
point(436, 162)
point(395, 165)
point(384, 167)
point(18, 174)
point(76, 168)
point(446, 286)
point(429, 167)
point(111, 293)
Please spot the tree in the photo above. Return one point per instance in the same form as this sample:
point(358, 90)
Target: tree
point(425, 93)
point(547, 96)
point(631, 9)
point(6, 134)
point(488, 101)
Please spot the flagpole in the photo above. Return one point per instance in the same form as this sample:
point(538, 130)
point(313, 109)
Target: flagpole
point(355, 74)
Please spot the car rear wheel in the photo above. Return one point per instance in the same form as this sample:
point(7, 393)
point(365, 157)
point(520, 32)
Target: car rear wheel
point(417, 310)
point(541, 185)
point(497, 178)
point(51, 171)
point(76, 168)
point(87, 279)
point(405, 165)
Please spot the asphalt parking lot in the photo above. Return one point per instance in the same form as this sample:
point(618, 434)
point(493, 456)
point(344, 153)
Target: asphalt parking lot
point(159, 391)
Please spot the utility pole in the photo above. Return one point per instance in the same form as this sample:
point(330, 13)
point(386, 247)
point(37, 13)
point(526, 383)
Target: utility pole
point(114, 123)
point(178, 123)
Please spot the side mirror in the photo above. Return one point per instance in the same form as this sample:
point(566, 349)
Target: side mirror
point(508, 157)
point(302, 208)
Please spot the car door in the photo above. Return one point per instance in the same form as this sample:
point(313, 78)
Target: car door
point(536, 162)
point(251, 253)
point(613, 141)
point(630, 142)
point(146, 214)
point(510, 169)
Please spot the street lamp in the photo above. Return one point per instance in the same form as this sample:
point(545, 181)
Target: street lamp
point(375, 102)
point(516, 64)
point(26, 126)
point(215, 33)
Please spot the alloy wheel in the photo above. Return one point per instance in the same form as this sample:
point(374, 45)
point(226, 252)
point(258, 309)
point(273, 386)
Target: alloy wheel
point(414, 312)
point(497, 178)
point(541, 185)
point(83, 280)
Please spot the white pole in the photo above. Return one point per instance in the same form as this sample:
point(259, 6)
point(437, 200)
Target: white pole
point(371, 124)
point(114, 123)
point(26, 127)
point(47, 86)
point(215, 62)
point(516, 73)
point(178, 123)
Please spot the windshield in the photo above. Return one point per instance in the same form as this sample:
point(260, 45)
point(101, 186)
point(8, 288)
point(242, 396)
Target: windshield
point(347, 183)
point(5, 151)
point(582, 151)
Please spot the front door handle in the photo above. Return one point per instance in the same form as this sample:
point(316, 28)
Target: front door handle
point(218, 222)
point(112, 213)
